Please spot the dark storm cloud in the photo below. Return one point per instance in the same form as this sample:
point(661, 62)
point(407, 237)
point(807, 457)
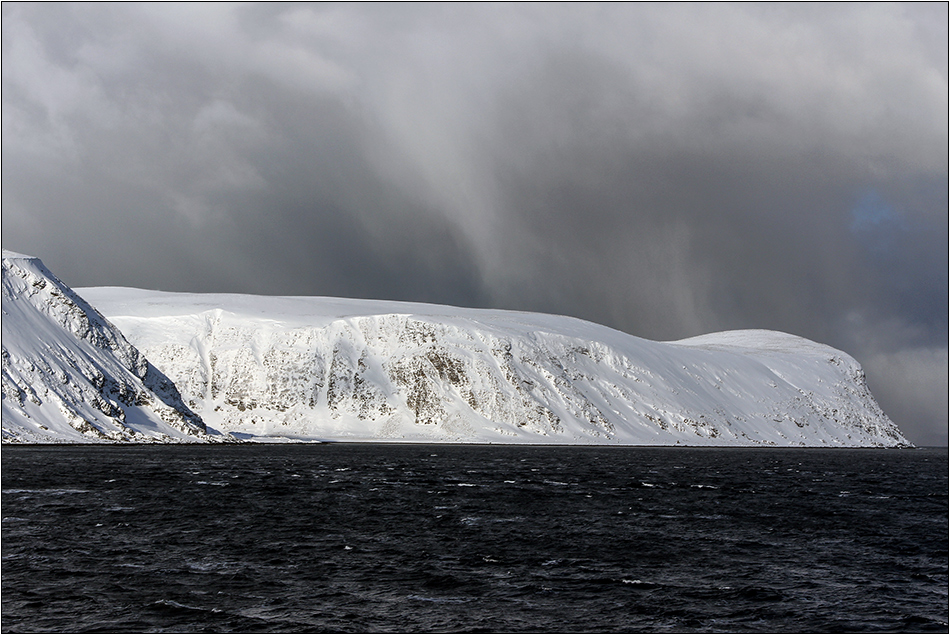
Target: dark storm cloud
point(664, 169)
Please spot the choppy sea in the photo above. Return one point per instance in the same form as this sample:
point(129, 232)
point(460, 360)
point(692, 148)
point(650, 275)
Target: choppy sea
point(443, 538)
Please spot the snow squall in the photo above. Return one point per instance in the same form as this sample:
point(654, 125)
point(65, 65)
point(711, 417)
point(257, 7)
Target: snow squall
point(310, 368)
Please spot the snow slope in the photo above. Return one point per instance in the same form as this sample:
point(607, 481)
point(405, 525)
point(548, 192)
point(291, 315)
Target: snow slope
point(323, 368)
point(70, 376)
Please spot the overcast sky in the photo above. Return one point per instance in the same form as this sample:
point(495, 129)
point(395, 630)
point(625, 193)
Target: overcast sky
point(667, 170)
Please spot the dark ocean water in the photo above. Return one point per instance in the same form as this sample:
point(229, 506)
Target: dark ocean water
point(383, 538)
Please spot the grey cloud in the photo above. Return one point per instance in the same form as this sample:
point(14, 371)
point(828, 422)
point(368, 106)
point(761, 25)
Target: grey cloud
point(910, 386)
point(663, 169)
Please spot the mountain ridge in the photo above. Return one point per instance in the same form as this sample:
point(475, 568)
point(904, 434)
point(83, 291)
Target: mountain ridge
point(294, 368)
point(70, 375)
point(347, 369)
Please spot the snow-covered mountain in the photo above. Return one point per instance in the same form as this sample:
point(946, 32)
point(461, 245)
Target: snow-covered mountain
point(322, 368)
point(70, 376)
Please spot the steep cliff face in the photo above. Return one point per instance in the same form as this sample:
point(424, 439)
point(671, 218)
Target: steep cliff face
point(69, 375)
point(321, 368)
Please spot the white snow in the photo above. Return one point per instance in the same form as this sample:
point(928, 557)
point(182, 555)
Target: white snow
point(310, 368)
point(70, 376)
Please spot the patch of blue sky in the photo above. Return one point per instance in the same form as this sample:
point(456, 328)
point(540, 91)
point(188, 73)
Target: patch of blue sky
point(872, 211)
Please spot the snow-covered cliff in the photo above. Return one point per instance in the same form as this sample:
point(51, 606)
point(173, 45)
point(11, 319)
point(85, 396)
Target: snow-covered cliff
point(70, 376)
point(322, 368)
